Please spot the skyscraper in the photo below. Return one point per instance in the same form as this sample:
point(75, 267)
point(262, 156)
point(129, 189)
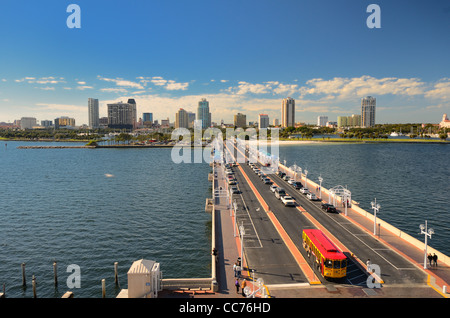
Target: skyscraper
point(122, 115)
point(288, 112)
point(132, 102)
point(368, 105)
point(181, 119)
point(322, 121)
point(240, 120)
point(203, 113)
point(93, 113)
point(263, 121)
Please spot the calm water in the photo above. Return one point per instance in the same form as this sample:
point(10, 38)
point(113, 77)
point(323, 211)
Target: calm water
point(58, 204)
point(409, 181)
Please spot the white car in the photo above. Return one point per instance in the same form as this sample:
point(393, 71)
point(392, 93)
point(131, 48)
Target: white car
point(273, 188)
point(288, 200)
point(311, 196)
point(304, 190)
point(291, 181)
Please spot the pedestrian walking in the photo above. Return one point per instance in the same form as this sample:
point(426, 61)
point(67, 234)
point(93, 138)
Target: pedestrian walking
point(238, 271)
point(235, 269)
point(430, 258)
point(244, 283)
point(369, 267)
point(236, 283)
point(435, 259)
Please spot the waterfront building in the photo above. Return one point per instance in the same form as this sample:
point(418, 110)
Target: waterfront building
point(191, 119)
point(93, 113)
point(276, 122)
point(349, 121)
point(103, 122)
point(288, 112)
point(147, 118)
point(203, 113)
point(368, 105)
point(27, 122)
point(132, 102)
point(445, 123)
point(263, 121)
point(122, 115)
point(181, 119)
point(46, 123)
point(240, 120)
point(64, 122)
point(322, 121)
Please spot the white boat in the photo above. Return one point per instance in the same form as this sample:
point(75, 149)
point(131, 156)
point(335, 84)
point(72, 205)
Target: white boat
point(394, 134)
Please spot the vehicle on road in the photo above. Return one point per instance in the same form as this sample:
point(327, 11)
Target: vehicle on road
point(328, 259)
point(231, 181)
point(288, 200)
point(286, 178)
point(267, 181)
point(273, 188)
point(297, 185)
point(234, 190)
point(304, 190)
point(279, 192)
point(329, 207)
point(280, 174)
point(311, 196)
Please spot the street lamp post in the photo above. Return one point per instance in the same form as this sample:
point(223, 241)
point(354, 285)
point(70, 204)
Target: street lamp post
point(427, 232)
point(306, 179)
point(320, 187)
point(376, 207)
point(242, 233)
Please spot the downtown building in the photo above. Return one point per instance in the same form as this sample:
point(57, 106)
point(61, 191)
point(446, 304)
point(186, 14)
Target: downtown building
point(122, 115)
point(181, 119)
point(93, 113)
point(288, 112)
point(368, 105)
point(203, 113)
point(263, 121)
point(240, 120)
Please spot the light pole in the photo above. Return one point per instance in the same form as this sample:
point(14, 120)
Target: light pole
point(427, 232)
point(376, 207)
point(235, 217)
point(320, 187)
point(242, 233)
point(306, 179)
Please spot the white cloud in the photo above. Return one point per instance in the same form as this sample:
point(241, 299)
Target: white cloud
point(82, 88)
point(122, 82)
point(114, 90)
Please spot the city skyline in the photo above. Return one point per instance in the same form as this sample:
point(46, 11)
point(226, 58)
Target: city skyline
point(235, 63)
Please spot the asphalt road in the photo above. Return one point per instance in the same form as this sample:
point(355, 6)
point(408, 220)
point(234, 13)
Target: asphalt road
point(394, 269)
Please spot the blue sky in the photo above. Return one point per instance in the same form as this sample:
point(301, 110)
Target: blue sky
point(243, 56)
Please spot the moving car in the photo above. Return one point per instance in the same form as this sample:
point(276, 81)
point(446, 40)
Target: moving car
point(304, 190)
point(329, 207)
point(279, 192)
point(288, 200)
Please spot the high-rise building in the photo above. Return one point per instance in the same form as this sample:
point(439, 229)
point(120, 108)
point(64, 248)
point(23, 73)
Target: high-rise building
point(147, 118)
point(288, 112)
point(240, 120)
point(64, 122)
point(27, 122)
point(263, 121)
point(191, 119)
point(276, 122)
point(46, 123)
point(122, 115)
point(322, 121)
point(368, 105)
point(132, 102)
point(181, 119)
point(93, 113)
point(203, 113)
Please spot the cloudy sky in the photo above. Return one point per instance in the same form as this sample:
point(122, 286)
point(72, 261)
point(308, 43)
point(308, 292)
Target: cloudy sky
point(243, 56)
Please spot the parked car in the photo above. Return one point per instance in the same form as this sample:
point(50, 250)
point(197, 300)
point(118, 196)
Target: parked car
point(267, 181)
point(234, 190)
point(297, 185)
point(279, 192)
point(280, 174)
point(311, 196)
point(286, 178)
point(304, 190)
point(291, 181)
point(273, 188)
point(288, 200)
point(329, 207)
point(231, 181)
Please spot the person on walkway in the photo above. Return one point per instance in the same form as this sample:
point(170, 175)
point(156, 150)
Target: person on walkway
point(430, 258)
point(244, 283)
point(236, 283)
point(368, 263)
point(235, 269)
point(435, 259)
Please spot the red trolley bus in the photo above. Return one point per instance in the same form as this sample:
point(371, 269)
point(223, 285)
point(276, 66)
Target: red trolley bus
point(329, 260)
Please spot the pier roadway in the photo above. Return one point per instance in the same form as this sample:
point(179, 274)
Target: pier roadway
point(264, 249)
point(396, 270)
